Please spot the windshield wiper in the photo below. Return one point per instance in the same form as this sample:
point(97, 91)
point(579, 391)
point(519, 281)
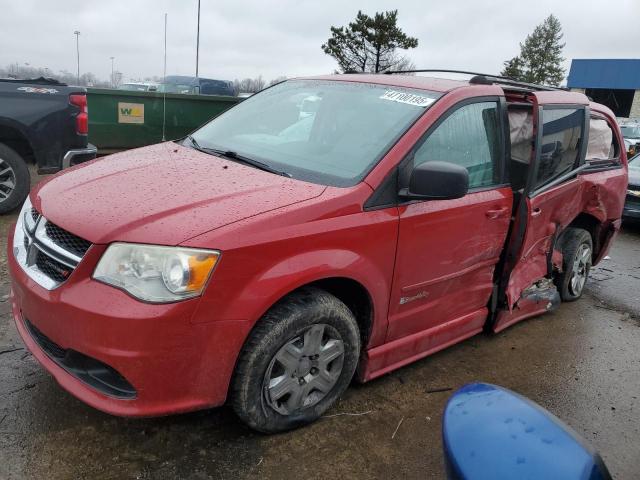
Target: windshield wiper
point(230, 154)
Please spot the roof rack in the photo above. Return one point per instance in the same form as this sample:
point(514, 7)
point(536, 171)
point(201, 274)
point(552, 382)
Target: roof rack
point(483, 79)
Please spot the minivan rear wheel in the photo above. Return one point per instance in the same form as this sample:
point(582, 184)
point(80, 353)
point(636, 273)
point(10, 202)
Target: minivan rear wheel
point(577, 254)
point(298, 360)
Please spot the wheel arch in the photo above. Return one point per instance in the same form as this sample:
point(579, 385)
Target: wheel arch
point(592, 225)
point(346, 289)
point(14, 137)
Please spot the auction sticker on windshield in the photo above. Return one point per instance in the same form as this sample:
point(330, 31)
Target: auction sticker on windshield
point(409, 98)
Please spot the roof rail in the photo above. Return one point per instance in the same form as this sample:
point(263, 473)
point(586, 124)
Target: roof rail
point(483, 79)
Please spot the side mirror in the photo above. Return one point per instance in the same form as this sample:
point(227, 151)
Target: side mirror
point(196, 90)
point(437, 181)
point(491, 432)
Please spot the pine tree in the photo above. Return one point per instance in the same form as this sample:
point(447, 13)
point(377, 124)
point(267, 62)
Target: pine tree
point(513, 68)
point(540, 59)
point(369, 43)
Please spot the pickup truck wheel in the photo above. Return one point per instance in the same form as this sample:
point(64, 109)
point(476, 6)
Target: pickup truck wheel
point(577, 252)
point(299, 358)
point(14, 179)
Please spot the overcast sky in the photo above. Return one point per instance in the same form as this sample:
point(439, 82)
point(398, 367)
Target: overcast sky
point(245, 38)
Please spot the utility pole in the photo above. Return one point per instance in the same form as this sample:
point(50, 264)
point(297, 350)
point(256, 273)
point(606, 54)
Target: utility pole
point(198, 40)
point(113, 82)
point(164, 81)
point(77, 34)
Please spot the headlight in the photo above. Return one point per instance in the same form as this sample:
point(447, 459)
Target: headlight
point(155, 273)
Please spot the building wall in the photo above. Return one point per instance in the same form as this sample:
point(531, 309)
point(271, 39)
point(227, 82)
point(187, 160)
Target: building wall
point(635, 106)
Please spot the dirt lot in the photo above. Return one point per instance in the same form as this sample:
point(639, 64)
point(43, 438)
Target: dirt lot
point(581, 362)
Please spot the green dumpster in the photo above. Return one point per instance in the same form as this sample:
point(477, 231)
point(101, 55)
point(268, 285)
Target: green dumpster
point(119, 120)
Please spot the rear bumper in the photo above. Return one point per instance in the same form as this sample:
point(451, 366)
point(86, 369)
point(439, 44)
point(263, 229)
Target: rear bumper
point(76, 156)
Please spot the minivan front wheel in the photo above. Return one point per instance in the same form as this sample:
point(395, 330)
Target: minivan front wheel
point(14, 179)
point(297, 361)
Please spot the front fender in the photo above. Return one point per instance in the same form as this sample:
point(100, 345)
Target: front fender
point(254, 297)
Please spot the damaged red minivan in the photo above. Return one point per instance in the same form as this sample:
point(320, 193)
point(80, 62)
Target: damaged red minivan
point(325, 228)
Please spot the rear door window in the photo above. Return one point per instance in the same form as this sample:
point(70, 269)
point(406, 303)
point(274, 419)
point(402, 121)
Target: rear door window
point(469, 137)
point(562, 130)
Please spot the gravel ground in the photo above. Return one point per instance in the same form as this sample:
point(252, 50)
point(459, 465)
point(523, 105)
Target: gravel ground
point(580, 362)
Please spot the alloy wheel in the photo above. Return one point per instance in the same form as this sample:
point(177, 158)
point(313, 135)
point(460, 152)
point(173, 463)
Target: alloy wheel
point(581, 266)
point(7, 180)
point(304, 370)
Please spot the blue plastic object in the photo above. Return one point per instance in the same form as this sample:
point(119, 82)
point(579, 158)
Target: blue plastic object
point(490, 432)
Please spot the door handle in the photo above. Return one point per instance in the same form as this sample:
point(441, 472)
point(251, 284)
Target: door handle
point(497, 213)
point(535, 212)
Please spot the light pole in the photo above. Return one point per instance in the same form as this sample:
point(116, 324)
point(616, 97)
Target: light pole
point(77, 34)
point(198, 40)
point(112, 77)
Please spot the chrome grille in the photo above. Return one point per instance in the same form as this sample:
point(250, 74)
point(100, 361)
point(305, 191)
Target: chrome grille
point(67, 240)
point(45, 251)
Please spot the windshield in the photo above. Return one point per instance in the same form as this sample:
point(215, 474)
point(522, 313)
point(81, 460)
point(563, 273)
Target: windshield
point(327, 132)
point(634, 163)
point(630, 131)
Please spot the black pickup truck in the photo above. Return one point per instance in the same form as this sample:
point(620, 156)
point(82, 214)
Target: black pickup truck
point(42, 122)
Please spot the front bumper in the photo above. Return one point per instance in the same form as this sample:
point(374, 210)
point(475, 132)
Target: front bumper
point(171, 363)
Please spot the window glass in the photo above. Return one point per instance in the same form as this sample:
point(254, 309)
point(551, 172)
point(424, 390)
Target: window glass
point(561, 134)
point(468, 137)
point(327, 132)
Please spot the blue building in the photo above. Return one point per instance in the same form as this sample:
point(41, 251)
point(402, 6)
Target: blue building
point(612, 82)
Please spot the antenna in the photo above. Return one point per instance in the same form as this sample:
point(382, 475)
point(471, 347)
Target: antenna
point(164, 81)
point(198, 40)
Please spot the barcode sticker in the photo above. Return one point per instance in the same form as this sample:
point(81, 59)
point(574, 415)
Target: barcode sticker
point(408, 98)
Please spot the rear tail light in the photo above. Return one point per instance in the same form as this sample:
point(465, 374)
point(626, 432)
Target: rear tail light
point(82, 119)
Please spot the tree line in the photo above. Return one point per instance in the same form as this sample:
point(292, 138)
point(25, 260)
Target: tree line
point(88, 79)
point(372, 44)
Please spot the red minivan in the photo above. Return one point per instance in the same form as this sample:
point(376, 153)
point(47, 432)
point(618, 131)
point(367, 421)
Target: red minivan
point(325, 228)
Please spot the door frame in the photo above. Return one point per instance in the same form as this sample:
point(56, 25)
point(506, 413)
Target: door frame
point(521, 215)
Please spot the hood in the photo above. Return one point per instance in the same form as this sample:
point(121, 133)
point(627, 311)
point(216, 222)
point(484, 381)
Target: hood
point(162, 194)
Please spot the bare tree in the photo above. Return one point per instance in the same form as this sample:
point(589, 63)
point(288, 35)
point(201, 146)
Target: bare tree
point(27, 71)
point(249, 85)
point(277, 80)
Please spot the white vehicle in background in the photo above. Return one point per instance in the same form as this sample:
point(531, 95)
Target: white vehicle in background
point(631, 134)
point(139, 87)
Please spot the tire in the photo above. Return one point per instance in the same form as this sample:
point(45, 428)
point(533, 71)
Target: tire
point(289, 332)
point(577, 251)
point(15, 180)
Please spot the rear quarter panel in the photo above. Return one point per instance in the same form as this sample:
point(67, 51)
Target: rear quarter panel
point(47, 120)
